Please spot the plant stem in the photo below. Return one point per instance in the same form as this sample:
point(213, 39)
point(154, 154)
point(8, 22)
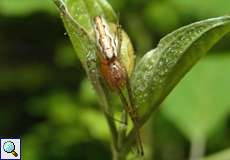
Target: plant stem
point(122, 129)
point(119, 155)
point(118, 136)
point(197, 148)
point(103, 100)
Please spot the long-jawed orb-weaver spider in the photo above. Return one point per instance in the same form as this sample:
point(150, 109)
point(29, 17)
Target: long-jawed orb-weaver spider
point(111, 68)
point(113, 71)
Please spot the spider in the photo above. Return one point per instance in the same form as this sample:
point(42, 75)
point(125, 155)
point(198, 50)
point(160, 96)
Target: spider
point(113, 71)
point(111, 68)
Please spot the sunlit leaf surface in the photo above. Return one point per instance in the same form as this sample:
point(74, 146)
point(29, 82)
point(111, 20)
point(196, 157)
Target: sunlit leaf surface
point(161, 69)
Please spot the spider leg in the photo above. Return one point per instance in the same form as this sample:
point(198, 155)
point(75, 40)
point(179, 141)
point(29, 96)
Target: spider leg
point(134, 117)
point(117, 120)
point(118, 36)
point(135, 113)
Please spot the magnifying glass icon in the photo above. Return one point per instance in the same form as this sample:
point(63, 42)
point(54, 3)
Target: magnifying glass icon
point(9, 147)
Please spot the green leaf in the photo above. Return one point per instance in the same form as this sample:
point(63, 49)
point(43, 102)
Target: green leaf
point(77, 16)
point(83, 11)
point(200, 104)
point(78, 19)
point(161, 69)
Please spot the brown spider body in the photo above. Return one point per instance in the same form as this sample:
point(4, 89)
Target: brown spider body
point(111, 68)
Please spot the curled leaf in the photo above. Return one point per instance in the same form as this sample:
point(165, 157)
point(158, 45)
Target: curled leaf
point(81, 29)
point(77, 16)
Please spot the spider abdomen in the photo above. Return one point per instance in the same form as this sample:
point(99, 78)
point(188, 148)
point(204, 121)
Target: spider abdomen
point(114, 74)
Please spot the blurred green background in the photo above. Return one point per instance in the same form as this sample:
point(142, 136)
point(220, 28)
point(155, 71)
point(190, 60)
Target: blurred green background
point(46, 100)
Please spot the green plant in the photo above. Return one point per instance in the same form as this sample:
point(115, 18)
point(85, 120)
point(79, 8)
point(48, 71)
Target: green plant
point(153, 77)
